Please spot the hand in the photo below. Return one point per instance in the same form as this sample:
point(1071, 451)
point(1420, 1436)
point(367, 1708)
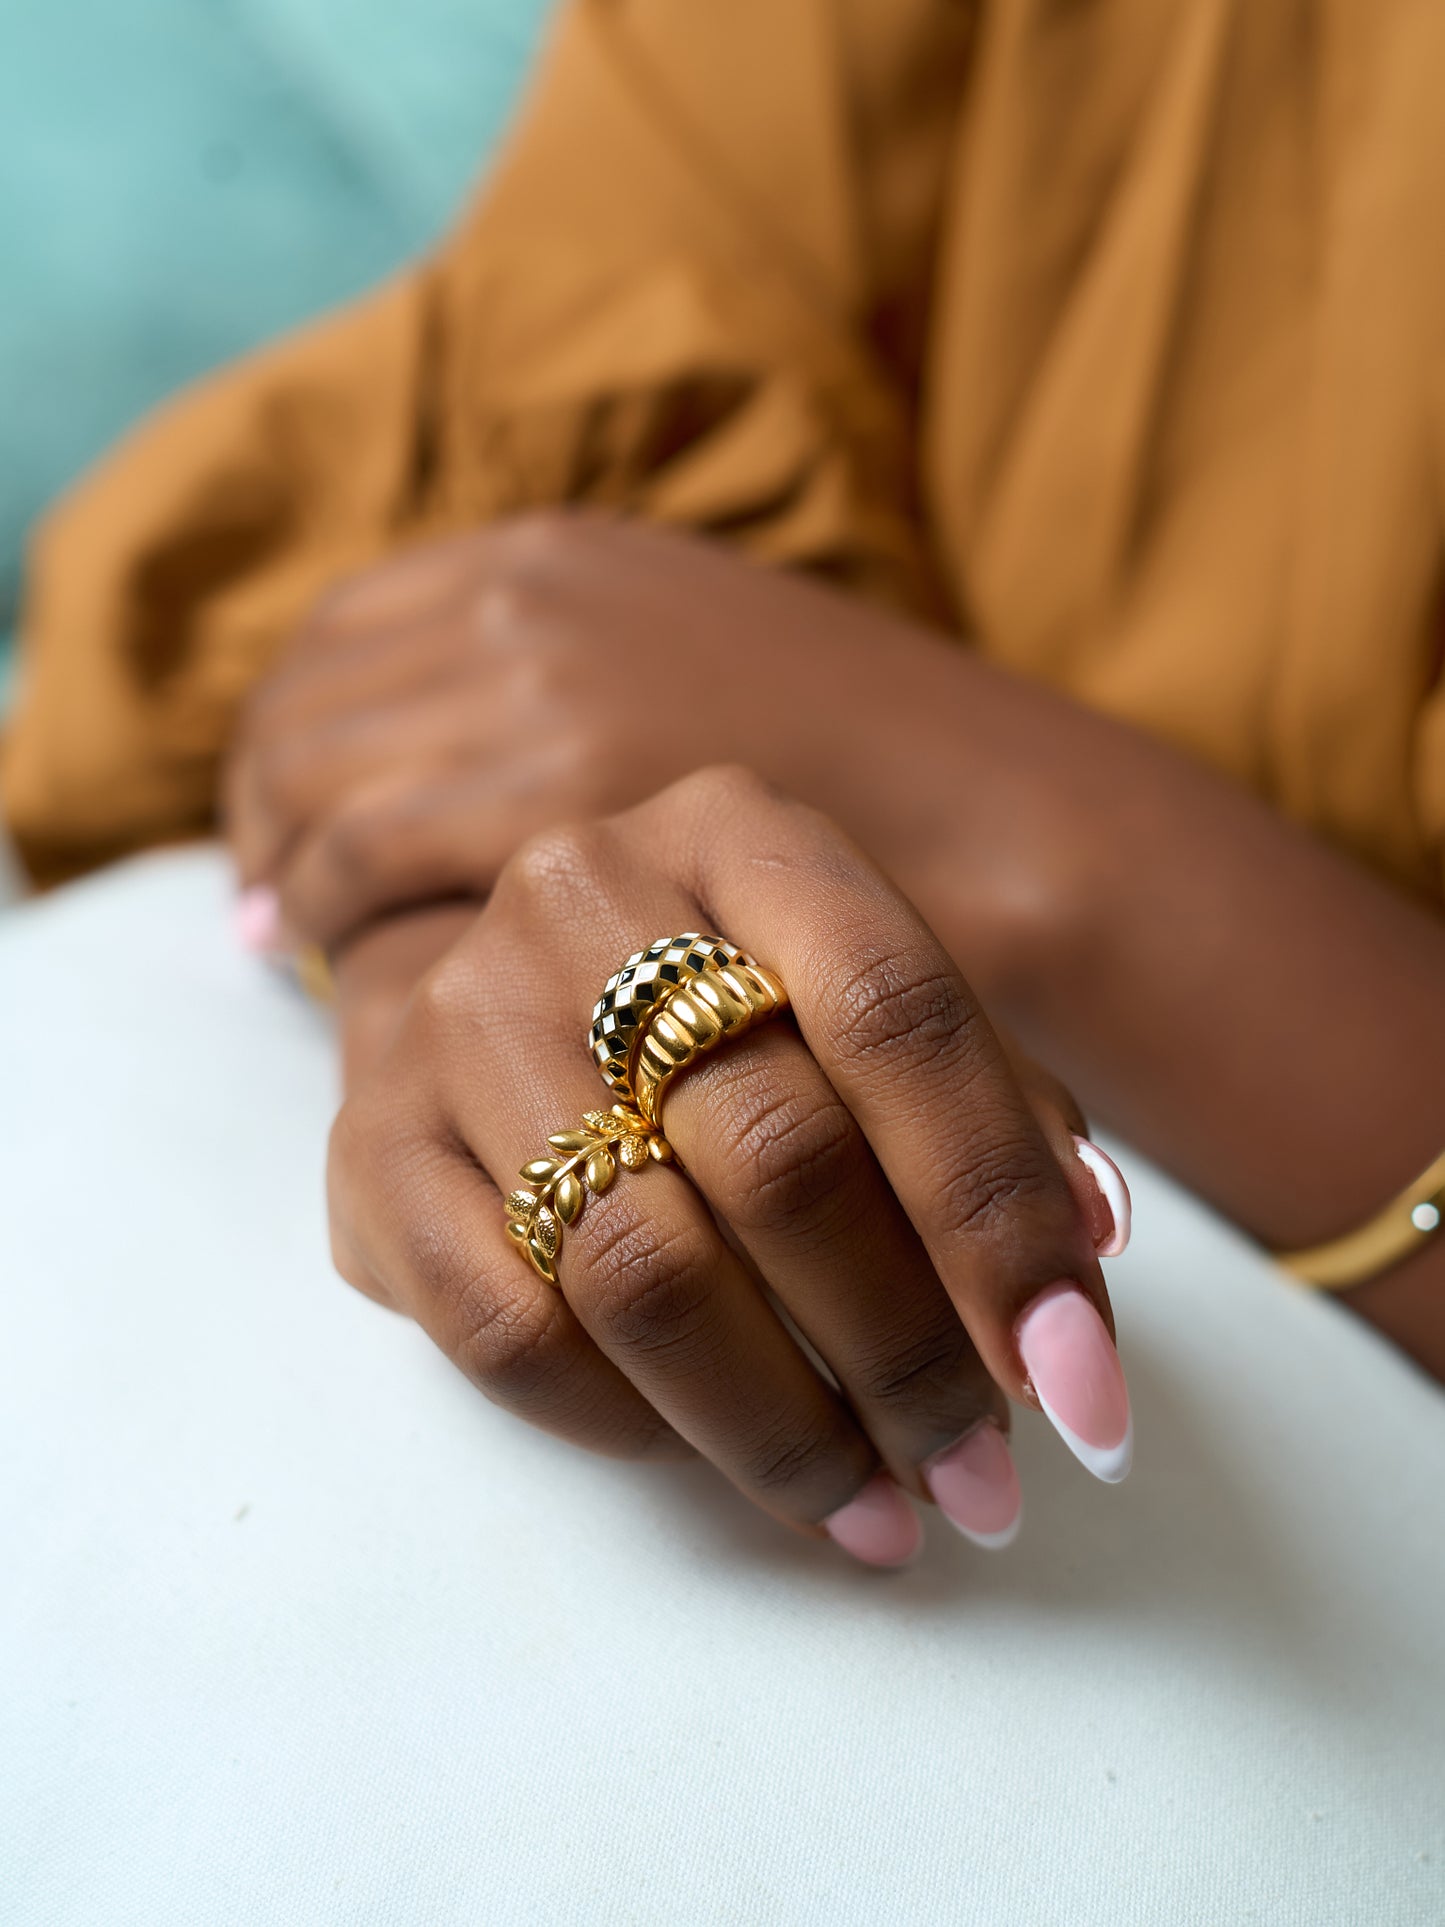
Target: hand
point(439, 710)
point(929, 1227)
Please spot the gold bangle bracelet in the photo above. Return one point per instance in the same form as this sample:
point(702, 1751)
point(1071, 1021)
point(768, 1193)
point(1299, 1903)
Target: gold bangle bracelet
point(1406, 1222)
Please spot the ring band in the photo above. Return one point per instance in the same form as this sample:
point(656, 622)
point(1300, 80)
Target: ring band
point(555, 1188)
point(670, 1003)
point(629, 996)
point(664, 1008)
point(714, 1005)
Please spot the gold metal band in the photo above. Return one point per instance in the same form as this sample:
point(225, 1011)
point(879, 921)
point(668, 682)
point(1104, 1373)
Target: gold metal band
point(631, 994)
point(1405, 1223)
point(554, 1189)
point(664, 1007)
point(716, 1004)
point(313, 973)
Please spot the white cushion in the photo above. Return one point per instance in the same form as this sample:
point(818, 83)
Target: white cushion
point(295, 1627)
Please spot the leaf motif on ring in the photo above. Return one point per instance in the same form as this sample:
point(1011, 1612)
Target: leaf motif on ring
point(542, 1260)
point(547, 1231)
point(568, 1199)
point(600, 1170)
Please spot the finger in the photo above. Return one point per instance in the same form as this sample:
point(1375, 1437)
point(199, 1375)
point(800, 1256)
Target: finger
point(411, 584)
point(1096, 1181)
point(900, 1036)
point(279, 789)
point(376, 975)
point(644, 1267)
point(774, 1151)
point(407, 837)
point(413, 1221)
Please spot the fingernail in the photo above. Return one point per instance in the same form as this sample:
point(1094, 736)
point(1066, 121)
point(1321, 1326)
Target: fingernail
point(878, 1525)
point(976, 1486)
point(1109, 1238)
point(1075, 1371)
point(257, 919)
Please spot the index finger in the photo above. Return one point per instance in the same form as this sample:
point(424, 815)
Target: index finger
point(903, 1040)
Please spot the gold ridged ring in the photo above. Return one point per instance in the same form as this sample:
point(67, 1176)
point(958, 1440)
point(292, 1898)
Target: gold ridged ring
point(668, 1005)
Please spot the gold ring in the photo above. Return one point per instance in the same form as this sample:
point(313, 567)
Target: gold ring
point(621, 1013)
point(670, 1003)
point(555, 1188)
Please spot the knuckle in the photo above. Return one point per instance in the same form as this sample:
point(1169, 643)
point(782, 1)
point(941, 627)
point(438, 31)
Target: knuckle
point(725, 786)
point(920, 1375)
point(508, 1349)
point(535, 544)
point(508, 608)
point(800, 1459)
point(649, 1288)
point(449, 997)
point(901, 1008)
point(795, 1157)
point(993, 1190)
point(557, 863)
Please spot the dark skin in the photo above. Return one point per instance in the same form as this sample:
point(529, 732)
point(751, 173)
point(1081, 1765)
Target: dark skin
point(1256, 1012)
point(875, 1160)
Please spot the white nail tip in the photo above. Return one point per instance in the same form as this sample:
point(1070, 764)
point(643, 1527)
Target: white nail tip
point(1107, 1462)
point(1110, 1180)
point(990, 1541)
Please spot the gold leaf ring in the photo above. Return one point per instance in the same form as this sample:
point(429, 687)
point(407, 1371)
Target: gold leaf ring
point(580, 1163)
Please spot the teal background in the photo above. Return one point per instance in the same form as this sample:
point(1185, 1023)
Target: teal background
point(180, 179)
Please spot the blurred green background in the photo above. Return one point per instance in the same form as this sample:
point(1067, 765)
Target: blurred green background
point(180, 179)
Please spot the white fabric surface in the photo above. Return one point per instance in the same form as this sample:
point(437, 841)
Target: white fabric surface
point(297, 1628)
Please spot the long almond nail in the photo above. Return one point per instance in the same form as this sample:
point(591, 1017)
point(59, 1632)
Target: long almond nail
point(976, 1486)
point(1109, 1238)
point(257, 919)
point(1075, 1371)
point(878, 1525)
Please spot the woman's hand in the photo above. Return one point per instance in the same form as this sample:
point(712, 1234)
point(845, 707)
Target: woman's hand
point(926, 1225)
point(435, 712)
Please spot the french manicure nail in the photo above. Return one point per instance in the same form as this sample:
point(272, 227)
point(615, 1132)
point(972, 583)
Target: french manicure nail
point(976, 1486)
point(1075, 1371)
point(878, 1525)
point(257, 919)
point(1110, 1239)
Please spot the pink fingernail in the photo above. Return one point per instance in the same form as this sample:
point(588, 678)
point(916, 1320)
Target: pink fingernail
point(976, 1486)
point(878, 1525)
point(1075, 1371)
point(1111, 1238)
point(257, 919)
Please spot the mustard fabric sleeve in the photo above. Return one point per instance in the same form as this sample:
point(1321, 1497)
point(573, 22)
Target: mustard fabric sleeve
point(692, 288)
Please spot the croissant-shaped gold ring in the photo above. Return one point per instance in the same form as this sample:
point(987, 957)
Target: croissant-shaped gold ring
point(670, 1003)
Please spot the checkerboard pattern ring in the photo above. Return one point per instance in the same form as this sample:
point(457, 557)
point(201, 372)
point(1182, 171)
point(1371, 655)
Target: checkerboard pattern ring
point(622, 1011)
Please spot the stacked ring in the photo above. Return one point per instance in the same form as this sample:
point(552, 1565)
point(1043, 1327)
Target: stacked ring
point(664, 1008)
point(632, 994)
point(720, 1002)
point(668, 1004)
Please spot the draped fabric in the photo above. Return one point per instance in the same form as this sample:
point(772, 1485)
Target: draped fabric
point(1105, 333)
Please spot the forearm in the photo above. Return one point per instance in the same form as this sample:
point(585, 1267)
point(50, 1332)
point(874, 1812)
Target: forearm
point(1261, 1015)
